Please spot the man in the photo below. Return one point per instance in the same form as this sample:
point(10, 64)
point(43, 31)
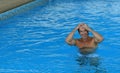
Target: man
point(86, 44)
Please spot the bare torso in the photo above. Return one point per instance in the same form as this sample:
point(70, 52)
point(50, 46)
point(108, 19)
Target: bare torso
point(86, 47)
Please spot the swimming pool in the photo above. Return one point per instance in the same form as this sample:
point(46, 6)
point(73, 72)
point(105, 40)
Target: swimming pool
point(34, 41)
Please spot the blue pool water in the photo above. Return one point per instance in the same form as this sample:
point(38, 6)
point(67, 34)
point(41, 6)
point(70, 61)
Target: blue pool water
point(34, 41)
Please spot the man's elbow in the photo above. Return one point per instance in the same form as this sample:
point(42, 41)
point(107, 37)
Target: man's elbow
point(101, 39)
point(68, 42)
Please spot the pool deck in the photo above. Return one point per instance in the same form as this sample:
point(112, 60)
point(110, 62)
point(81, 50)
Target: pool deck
point(6, 5)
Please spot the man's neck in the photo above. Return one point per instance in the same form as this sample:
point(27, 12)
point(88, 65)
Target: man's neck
point(85, 39)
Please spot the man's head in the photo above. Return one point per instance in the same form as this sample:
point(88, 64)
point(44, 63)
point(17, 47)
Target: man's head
point(83, 32)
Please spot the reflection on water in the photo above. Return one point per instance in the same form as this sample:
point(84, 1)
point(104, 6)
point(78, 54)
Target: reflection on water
point(92, 61)
point(90, 64)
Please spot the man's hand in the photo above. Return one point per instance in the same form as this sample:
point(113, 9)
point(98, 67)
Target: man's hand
point(86, 27)
point(78, 26)
point(81, 27)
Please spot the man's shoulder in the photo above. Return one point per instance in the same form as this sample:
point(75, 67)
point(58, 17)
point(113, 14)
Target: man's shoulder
point(93, 39)
point(78, 40)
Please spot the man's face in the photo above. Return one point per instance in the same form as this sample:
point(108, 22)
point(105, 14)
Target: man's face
point(83, 32)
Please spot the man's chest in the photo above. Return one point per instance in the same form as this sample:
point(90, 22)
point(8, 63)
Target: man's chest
point(86, 44)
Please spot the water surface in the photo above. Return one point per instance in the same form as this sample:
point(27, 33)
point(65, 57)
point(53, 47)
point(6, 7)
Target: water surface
point(34, 42)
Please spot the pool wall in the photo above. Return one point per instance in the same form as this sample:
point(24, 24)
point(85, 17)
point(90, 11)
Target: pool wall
point(22, 8)
point(6, 5)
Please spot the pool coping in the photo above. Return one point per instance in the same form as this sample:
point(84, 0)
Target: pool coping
point(23, 8)
point(6, 5)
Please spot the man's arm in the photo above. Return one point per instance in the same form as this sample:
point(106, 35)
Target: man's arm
point(97, 37)
point(69, 38)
